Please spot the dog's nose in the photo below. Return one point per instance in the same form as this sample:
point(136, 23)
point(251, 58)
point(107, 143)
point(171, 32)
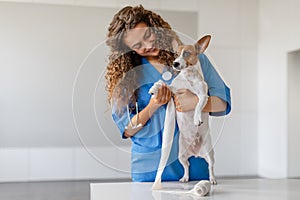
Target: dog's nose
point(176, 64)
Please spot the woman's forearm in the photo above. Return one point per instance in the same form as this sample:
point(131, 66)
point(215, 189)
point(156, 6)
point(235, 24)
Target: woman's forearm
point(142, 119)
point(215, 104)
point(162, 96)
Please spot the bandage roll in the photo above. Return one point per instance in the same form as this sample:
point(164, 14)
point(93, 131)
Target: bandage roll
point(202, 188)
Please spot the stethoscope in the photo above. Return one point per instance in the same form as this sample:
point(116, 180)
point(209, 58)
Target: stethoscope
point(167, 75)
point(136, 125)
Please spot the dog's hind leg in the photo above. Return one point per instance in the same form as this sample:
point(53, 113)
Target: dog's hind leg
point(211, 161)
point(185, 163)
point(183, 151)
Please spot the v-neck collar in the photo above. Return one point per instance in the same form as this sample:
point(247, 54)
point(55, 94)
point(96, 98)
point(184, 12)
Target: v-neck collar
point(152, 71)
point(145, 61)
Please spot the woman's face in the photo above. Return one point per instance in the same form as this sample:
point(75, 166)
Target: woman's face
point(141, 40)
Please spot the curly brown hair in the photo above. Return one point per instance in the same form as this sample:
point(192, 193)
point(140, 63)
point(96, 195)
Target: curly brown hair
point(122, 59)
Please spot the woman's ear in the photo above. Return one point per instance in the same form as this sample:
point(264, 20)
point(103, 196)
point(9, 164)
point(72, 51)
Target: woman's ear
point(202, 44)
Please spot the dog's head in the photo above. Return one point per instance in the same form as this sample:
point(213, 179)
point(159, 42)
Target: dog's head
point(188, 54)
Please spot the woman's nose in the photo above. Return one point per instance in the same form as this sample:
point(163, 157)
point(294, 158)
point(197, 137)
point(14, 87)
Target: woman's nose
point(147, 45)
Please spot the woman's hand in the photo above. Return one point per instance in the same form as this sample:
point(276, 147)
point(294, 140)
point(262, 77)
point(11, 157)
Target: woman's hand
point(185, 100)
point(162, 97)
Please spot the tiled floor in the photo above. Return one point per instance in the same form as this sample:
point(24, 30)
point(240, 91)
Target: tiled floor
point(52, 190)
point(234, 189)
point(45, 191)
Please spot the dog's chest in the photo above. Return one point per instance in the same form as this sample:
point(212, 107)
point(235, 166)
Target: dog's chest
point(188, 78)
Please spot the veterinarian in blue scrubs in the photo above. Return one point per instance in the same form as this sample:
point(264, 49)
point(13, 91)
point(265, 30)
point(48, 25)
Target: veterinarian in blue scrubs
point(140, 56)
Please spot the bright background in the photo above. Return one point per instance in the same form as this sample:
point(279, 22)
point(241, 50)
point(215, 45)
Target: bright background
point(255, 46)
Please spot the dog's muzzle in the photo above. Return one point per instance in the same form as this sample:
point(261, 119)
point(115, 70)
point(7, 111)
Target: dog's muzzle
point(179, 64)
point(176, 66)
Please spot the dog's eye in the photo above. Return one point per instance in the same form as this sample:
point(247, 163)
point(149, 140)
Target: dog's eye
point(186, 54)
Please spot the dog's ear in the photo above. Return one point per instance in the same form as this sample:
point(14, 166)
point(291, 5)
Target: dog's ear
point(175, 45)
point(202, 44)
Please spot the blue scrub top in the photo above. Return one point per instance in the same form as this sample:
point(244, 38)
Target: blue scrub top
point(146, 144)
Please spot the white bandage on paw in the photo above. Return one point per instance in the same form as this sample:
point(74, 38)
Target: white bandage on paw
point(167, 141)
point(201, 189)
point(154, 89)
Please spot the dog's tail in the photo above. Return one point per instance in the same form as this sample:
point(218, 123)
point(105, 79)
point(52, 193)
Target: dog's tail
point(167, 140)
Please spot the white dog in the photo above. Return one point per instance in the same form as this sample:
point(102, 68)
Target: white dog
point(194, 138)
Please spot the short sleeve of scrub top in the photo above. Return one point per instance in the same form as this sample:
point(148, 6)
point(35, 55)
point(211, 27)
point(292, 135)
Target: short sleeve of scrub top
point(146, 144)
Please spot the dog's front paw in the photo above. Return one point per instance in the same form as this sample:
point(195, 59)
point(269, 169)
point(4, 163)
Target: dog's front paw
point(184, 179)
point(198, 122)
point(154, 89)
point(197, 119)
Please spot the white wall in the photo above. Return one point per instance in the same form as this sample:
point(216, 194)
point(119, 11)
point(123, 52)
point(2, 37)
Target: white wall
point(233, 49)
point(278, 35)
point(38, 97)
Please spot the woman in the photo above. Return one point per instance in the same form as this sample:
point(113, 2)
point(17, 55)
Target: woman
point(142, 49)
